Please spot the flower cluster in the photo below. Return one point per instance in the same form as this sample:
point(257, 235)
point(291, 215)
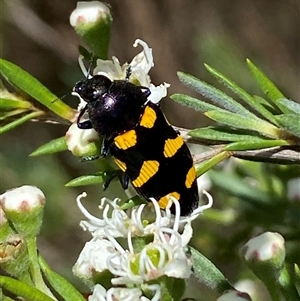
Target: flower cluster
point(154, 249)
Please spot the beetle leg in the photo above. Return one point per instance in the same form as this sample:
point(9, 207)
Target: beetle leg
point(105, 147)
point(89, 158)
point(108, 180)
point(124, 180)
point(84, 125)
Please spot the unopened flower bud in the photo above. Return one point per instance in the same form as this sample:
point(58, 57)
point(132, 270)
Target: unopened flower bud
point(82, 142)
point(264, 255)
point(91, 20)
point(5, 229)
point(233, 295)
point(24, 208)
point(13, 255)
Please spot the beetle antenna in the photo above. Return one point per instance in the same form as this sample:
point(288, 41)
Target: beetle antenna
point(128, 73)
point(91, 61)
point(62, 97)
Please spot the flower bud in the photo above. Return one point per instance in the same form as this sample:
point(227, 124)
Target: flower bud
point(13, 255)
point(91, 21)
point(5, 229)
point(24, 208)
point(233, 295)
point(264, 255)
point(82, 142)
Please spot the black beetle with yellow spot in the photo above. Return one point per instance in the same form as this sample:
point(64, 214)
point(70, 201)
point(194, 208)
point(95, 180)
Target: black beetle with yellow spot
point(143, 144)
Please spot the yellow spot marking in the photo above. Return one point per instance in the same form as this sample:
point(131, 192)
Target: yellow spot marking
point(190, 177)
point(148, 118)
point(163, 201)
point(148, 170)
point(126, 140)
point(121, 164)
point(172, 146)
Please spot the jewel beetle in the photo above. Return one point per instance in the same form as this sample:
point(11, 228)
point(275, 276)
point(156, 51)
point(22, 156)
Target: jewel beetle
point(152, 155)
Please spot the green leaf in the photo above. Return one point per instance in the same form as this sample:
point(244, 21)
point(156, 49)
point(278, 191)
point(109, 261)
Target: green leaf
point(132, 202)
point(51, 147)
point(206, 272)
point(215, 95)
point(208, 164)
point(290, 105)
point(5, 115)
point(266, 85)
point(290, 122)
point(287, 285)
point(29, 84)
point(250, 145)
point(267, 104)
point(242, 94)
point(237, 121)
point(65, 289)
point(223, 134)
point(8, 104)
point(194, 103)
point(20, 121)
point(22, 289)
point(87, 180)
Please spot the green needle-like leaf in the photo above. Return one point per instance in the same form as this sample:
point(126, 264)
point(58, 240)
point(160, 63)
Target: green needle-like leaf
point(19, 121)
point(207, 273)
point(266, 85)
point(64, 288)
point(216, 96)
point(242, 94)
point(290, 122)
point(194, 103)
point(22, 289)
point(223, 134)
point(208, 164)
point(51, 147)
point(237, 121)
point(87, 180)
point(290, 105)
point(7, 114)
point(8, 104)
point(250, 145)
point(29, 84)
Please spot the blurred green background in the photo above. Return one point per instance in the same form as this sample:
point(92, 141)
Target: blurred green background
point(37, 36)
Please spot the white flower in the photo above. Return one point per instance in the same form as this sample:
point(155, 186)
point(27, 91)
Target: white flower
point(88, 12)
point(124, 294)
point(22, 199)
point(114, 226)
point(139, 69)
point(164, 255)
point(93, 258)
point(79, 141)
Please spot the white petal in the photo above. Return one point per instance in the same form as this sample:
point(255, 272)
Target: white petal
point(144, 59)
point(158, 92)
